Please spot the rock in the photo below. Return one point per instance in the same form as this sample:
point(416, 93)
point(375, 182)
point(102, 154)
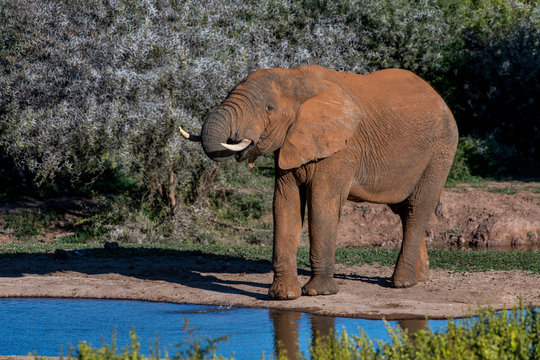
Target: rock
point(110, 245)
point(60, 254)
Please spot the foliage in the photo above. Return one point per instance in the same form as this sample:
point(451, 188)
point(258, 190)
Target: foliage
point(92, 92)
point(494, 335)
point(464, 160)
point(86, 351)
point(242, 194)
point(197, 349)
point(478, 158)
point(494, 89)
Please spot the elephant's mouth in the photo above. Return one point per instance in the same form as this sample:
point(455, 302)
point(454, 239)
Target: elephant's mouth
point(245, 150)
point(250, 153)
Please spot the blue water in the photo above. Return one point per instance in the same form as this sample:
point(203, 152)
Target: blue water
point(50, 326)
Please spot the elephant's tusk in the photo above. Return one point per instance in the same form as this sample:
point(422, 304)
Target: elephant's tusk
point(237, 147)
point(188, 136)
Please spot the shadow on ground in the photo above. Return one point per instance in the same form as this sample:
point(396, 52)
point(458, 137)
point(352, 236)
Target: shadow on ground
point(176, 266)
point(186, 267)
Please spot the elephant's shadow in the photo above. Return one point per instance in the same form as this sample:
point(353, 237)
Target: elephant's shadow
point(375, 280)
point(190, 268)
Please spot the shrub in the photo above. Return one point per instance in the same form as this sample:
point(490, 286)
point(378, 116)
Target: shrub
point(480, 157)
point(494, 90)
point(88, 86)
point(494, 335)
point(92, 92)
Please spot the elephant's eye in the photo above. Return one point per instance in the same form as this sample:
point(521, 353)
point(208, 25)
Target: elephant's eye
point(269, 108)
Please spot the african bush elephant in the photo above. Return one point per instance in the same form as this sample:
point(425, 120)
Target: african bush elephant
point(386, 137)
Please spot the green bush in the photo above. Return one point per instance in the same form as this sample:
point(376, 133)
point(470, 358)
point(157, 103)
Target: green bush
point(108, 87)
point(493, 87)
point(461, 168)
point(197, 349)
point(237, 207)
point(92, 92)
point(493, 335)
point(474, 158)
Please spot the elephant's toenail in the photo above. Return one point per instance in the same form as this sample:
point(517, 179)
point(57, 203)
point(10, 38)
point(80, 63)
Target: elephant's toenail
point(326, 292)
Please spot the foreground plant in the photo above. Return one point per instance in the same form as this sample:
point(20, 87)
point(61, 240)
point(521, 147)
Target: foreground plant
point(197, 349)
point(492, 335)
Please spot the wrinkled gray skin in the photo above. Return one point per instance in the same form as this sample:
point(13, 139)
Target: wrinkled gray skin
point(387, 137)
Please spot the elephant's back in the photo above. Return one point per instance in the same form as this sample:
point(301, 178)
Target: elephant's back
point(399, 89)
point(403, 100)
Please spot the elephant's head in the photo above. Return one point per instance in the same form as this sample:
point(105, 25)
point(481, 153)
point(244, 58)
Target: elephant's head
point(302, 112)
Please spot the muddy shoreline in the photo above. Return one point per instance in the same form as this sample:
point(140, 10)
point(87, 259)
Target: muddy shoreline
point(364, 290)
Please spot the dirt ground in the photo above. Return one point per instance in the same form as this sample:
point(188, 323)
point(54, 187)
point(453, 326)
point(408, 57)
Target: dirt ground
point(490, 215)
point(468, 216)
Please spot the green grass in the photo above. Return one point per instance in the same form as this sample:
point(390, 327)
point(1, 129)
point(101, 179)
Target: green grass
point(507, 190)
point(494, 186)
point(453, 260)
point(77, 238)
point(485, 260)
point(26, 224)
point(514, 189)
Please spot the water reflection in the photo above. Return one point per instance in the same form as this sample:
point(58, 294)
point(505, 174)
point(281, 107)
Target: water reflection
point(286, 332)
point(57, 323)
point(287, 325)
point(413, 325)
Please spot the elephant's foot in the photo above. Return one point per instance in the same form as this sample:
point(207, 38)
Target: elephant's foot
point(320, 285)
point(285, 289)
point(404, 278)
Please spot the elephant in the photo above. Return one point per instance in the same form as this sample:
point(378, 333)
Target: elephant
point(385, 137)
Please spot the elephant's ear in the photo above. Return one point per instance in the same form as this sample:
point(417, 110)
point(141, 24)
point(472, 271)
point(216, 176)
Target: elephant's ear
point(324, 124)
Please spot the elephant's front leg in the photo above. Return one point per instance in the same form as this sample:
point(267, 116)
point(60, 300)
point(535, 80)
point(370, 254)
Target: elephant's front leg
point(289, 207)
point(324, 209)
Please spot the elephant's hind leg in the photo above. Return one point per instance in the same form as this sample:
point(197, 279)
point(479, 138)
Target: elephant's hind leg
point(413, 264)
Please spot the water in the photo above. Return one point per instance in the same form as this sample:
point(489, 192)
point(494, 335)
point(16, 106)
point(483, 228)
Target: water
point(50, 326)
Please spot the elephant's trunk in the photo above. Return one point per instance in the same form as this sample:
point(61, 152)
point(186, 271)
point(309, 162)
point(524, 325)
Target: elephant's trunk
point(215, 131)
